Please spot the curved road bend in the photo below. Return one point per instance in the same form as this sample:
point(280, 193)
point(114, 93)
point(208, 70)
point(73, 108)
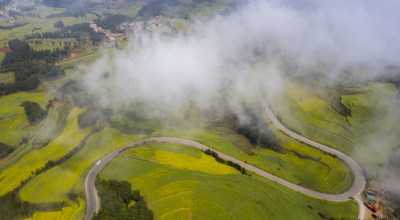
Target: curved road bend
point(359, 178)
point(93, 203)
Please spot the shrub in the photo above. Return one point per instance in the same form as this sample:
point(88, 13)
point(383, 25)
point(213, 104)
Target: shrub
point(5, 150)
point(34, 113)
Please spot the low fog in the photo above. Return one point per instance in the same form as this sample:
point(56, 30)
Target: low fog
point(251, 48)
point(249, 52)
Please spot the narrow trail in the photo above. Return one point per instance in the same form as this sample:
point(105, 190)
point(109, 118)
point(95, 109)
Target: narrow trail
point(93, 202)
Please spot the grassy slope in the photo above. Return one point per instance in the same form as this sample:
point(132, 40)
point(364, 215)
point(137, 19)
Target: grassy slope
point(47, 24)
point(179, 193)
point(374, 116)
point(75, 211)
point(332, 178)
point(12, 175)
point(13, 121)
point(71, 174)
point(7, 77)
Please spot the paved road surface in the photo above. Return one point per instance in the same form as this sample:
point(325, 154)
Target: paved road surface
point(359, 177)
point(93, 203)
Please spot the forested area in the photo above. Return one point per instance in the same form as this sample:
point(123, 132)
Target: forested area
point(111, 21)
point(30, 67)
point(118, 201)
point(81, 32)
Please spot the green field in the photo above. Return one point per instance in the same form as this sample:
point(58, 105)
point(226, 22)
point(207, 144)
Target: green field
point(70, 175)
point(327, 174)
point(13, 122)
point(75, 211)
point(7, 77)
point(28, 162)
point(55, 184)
point(373, 121)
point(186, 192)
point(38, 19)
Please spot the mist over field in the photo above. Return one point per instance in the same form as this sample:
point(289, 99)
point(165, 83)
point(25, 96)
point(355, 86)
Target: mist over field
point(249, 52)
point(240, 51)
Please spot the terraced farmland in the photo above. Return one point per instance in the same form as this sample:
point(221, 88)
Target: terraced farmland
point(187, 192)
point(13, 121)
point(373, 118)
point(317, 170)
point(29, 162)
point(69, 176)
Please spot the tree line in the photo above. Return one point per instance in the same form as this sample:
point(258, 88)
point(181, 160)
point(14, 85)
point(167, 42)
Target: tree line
point(116, 201)
point(229, 163)
point(78, 31)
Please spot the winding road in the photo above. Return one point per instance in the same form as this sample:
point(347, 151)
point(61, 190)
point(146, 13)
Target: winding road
point(93, 202)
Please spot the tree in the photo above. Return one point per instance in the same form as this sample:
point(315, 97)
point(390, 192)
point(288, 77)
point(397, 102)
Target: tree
point(33, 111)
point(116, 197)
point(59, 24)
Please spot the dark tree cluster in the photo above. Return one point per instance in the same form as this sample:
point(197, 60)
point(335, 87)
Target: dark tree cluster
point(27, 68)
point(339, 107)
point(22, 54)
point(59, 24)
point(111, 21)
point(78, 31)
point(34, 113)
point(5, 150)
point(257, 131)
point(229, 163)
point(115, 199)
point(157, 7)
